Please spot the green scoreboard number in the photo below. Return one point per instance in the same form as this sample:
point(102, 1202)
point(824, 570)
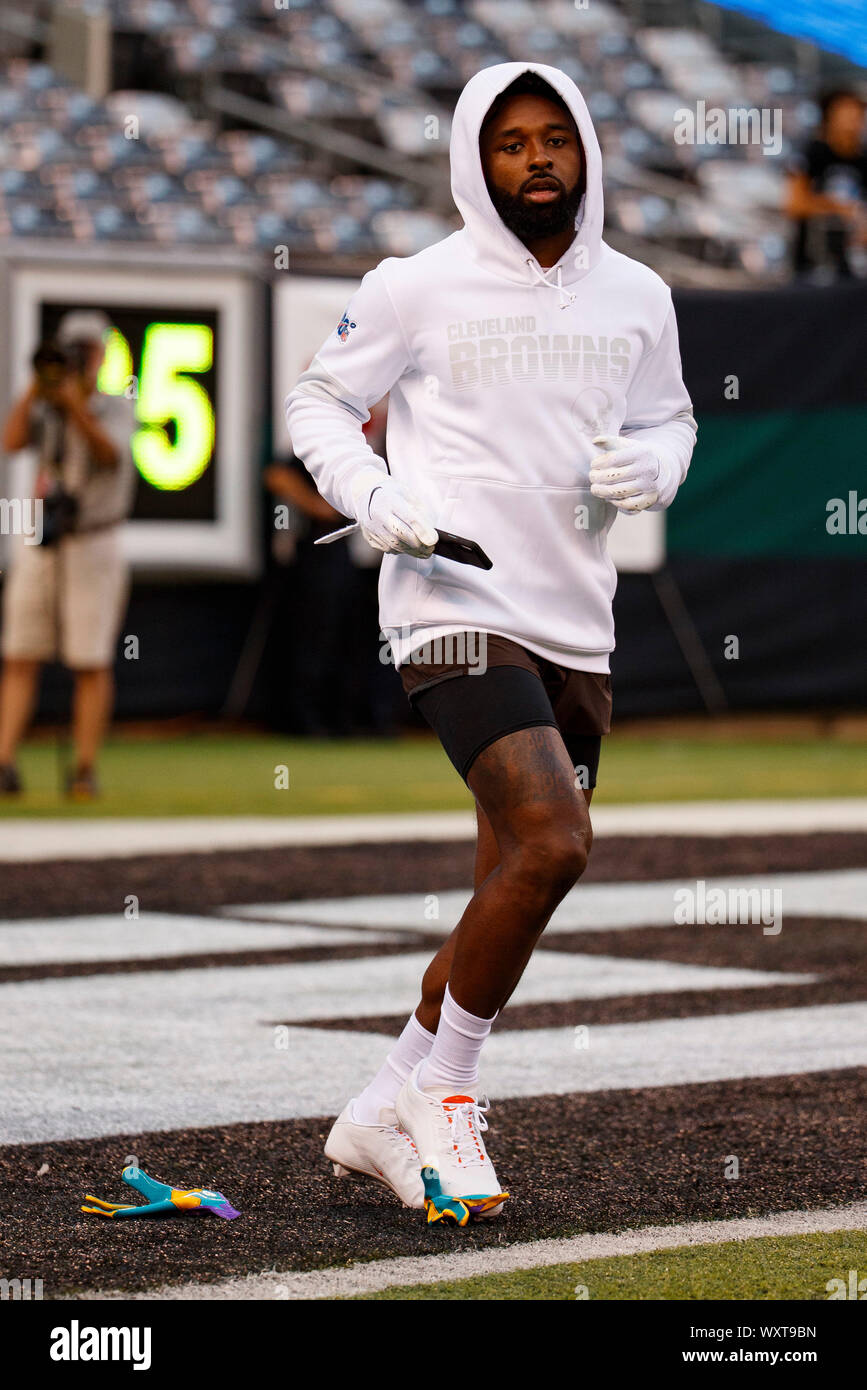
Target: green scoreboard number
point(166, 391)
point(165, 360)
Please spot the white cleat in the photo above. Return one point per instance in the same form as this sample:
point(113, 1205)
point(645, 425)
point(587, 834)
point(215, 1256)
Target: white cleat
point(447, 1128)
point(384, 1152)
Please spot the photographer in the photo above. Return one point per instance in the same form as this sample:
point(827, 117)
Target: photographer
point(65, 597)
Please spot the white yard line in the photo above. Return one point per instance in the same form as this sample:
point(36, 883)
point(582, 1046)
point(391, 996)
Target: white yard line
point(30, 840)
point(592, 906)
point(161, 935)
point(433, 1269)
point(130, 1053)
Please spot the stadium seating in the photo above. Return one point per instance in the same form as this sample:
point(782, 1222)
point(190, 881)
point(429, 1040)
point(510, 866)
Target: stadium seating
point(379, 80)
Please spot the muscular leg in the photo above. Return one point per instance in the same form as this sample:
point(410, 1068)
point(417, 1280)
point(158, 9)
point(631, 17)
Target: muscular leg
point(437, 974)
point(487, 849)
point(534, 837)
point(587, 797)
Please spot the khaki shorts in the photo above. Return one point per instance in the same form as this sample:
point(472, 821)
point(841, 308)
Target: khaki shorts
point(92, 577)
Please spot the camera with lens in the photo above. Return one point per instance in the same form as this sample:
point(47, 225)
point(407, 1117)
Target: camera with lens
point(52, 363)
point(59, 515)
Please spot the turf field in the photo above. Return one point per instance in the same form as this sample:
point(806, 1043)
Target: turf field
point(796, 1267)
point(214, 774)
point(214, 1035)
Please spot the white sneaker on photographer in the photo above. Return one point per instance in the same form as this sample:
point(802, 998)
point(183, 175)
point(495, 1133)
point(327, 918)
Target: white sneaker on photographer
point(384, 1152)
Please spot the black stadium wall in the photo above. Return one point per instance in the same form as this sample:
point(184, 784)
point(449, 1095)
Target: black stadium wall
point(764, 551)
point(763, 539)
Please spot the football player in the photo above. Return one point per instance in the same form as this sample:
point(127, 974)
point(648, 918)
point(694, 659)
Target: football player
point(536, 392)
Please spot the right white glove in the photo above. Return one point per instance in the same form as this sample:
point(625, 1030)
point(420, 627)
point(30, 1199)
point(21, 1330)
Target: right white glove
point(390, 519)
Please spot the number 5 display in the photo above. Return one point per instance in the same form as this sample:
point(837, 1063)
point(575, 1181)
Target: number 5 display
point(165, 393)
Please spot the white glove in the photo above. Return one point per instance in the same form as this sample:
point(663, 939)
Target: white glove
point(390, 519)
point(625, 473)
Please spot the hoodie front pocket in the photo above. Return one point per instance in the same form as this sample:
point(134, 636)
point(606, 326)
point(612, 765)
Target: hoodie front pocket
point(443, 516)
point(551, 579)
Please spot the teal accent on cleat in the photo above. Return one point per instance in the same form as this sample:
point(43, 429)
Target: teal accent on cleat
point(438, 1204)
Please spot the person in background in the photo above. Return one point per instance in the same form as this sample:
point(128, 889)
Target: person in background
point(326, 675)
point(308, 696)
point(66, 597)
point(289, 481)
point(827, 191)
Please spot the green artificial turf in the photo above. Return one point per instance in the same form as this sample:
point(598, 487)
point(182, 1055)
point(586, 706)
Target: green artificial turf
point(214, 774)
point(769, 1267)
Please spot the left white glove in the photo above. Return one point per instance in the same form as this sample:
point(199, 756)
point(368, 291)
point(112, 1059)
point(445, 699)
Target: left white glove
point(625, 473)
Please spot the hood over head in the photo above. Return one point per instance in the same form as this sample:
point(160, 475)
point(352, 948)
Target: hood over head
point(492, 244)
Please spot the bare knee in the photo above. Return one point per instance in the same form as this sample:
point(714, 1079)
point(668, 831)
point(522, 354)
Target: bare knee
point(564, 856)
point(551, 853)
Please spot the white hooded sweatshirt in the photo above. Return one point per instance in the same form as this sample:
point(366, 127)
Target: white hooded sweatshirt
point(501, 374)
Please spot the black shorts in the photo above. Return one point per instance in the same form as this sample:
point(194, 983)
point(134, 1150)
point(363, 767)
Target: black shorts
point(469, 708)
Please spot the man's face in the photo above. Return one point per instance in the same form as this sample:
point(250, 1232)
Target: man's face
point(845, 119)
point(533, 166)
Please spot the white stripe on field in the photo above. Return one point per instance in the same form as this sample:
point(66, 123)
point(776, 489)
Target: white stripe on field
point(466, 1264)
point(102, 837)
point(128, 1053)
point(588, 907)
point(79, 940)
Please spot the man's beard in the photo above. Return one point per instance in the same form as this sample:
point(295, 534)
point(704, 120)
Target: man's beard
point(532, 221)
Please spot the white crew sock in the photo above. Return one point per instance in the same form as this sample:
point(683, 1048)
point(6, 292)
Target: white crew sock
point(414, 1043)
point(454, 1058)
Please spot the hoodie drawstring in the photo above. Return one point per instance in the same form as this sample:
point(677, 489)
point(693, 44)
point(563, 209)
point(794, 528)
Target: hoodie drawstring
point(566, 296)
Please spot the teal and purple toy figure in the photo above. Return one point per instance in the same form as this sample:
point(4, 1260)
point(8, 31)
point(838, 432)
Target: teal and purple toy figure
point(162, 1199)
